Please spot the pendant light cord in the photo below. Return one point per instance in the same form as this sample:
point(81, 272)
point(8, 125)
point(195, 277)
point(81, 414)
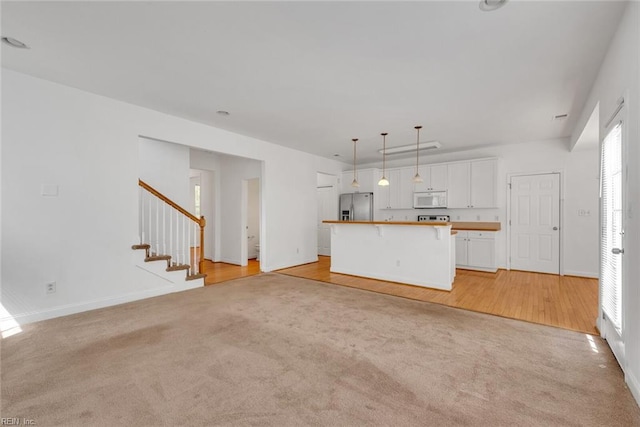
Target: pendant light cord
point(355, 175)
point(417, 146)
point(384, 154)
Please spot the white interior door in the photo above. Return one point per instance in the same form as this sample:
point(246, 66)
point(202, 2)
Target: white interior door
point(535, 223)
point(612, 242)
point(327, 210)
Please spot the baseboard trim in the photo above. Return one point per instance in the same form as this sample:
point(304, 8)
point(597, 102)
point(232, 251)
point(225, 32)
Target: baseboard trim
point(581, 274)
point(634, 385)
point(66, 310)
point(394, 278)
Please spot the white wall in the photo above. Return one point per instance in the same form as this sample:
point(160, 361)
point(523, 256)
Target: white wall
point(618, 76)
point(580, 191)
point(165, 167)
point(88, 146)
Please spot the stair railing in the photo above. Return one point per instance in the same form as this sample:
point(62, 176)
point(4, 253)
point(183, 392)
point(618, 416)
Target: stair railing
point(170, 229)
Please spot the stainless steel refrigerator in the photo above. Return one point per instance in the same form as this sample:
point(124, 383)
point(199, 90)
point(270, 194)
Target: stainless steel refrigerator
point(356, 207)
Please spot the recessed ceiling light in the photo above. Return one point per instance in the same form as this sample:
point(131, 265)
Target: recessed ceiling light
point(489, 5)
point(429, 145)
point(223, 113)
point(14, 43)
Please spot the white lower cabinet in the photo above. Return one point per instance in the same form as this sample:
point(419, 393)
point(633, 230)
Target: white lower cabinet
point(476, 250)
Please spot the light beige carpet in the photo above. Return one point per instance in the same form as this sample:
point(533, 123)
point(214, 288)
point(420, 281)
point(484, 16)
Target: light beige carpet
point(277, 350)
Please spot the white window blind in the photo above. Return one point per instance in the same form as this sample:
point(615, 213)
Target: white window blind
point(611, 233)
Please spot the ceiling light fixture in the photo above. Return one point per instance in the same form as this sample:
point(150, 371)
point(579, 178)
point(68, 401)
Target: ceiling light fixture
point(384, 181)
point(354, 183)
point(491, 5)
point(427, 145)
point(14, 43)
point(417, 178)
point(223, 113)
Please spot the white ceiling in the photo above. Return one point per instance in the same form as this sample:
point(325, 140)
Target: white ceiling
point(313, 75)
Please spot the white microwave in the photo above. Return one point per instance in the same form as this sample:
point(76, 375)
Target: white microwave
point(430, 200)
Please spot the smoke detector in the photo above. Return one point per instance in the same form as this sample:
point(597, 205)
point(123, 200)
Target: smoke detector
point(14, 43)
point(490, 5)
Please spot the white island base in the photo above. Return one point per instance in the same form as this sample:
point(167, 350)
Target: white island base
point(414, 253)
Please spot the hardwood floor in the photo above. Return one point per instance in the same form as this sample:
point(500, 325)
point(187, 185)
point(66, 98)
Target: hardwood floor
point(563, 301)
point(221, 272)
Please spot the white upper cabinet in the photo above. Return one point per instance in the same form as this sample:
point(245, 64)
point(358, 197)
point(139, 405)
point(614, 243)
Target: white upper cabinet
point(434, 177)
point(484, 183)
point(367, 178)
point(473, 184)
point(406, 189)
point(458, 179)
point(399, 193)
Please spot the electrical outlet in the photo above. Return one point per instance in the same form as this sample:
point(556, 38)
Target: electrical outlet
point(50, 288)
point(397, 263)
point(297, 250)
point(497, 218)
point(478, 217)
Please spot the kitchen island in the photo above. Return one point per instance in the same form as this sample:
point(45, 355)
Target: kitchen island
point(414, 253)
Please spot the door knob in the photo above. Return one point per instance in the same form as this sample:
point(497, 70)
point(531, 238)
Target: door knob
point(617, 251)
point(555, 228)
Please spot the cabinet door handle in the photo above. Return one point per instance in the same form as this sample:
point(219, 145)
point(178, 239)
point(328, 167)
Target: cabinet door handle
point(555, 228)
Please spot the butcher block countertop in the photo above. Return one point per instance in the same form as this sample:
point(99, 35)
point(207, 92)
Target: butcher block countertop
point(421, 223)
point(455, 226)
point(440, 223)
point(475, 226)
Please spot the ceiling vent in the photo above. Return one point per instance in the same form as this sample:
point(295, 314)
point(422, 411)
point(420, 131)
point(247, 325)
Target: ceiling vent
point(560, 117)
point(429, 145)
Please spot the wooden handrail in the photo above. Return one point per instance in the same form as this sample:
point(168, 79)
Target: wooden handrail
point(171, 203)
point(200, 221)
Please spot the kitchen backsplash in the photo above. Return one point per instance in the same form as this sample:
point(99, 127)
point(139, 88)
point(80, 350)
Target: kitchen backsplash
point(466, 215)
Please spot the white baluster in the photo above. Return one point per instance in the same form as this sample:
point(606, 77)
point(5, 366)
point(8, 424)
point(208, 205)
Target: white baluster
point(164, 228)
point(189, 247)
point(196, 254)
point(184, 241)
point(157, 226)
point(171, 234)
point(149, 222)
point(142, 233)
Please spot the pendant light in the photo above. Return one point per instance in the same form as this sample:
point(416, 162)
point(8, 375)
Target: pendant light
point(354, 183)
point(384, 181)
point(417, 178)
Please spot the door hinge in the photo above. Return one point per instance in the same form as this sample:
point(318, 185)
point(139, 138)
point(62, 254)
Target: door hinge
point(509, 222)
point(509, 186)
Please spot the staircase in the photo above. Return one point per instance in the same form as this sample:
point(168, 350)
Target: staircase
point(171, 239)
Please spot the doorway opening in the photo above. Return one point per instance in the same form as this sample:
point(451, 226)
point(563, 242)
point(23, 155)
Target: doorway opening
point(253, 219)
point(327, 196)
